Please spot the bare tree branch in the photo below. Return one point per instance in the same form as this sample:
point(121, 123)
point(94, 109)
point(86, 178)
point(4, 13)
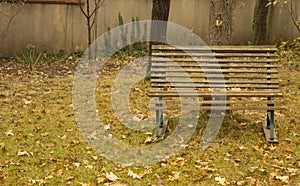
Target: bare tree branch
point(10, 18)
point(90, 15)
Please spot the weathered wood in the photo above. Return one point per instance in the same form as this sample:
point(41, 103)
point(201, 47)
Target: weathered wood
point(261, 48)
point(189, 54)
point(224, 102)
point(216, 76)
point(189, 93)
point(203, 81)
point(265, 108)
point(204, 65)
point(242, 86)
point(213, 70)
point(234, 77)
point(214, 60)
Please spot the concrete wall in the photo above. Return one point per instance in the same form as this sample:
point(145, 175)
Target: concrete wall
point(53, 27)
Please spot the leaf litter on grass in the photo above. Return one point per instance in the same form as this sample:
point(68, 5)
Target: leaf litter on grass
point(41, 144)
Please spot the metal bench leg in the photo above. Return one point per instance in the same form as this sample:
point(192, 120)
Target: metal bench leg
point(159, 116)
point(269, 127)
point(270, 123)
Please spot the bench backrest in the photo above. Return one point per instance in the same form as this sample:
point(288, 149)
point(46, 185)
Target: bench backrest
point(241, 71)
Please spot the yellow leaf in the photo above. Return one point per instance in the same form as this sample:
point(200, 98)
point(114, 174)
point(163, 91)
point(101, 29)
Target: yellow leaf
point(148, 140)
point(133, 174)
point(220, 180)
point(288, 149)
point(268, 4)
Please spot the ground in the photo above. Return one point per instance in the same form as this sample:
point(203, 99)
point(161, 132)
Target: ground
point(40, 143)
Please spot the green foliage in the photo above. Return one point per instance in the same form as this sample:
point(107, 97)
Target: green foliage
point(30, 57)
point(290, 52)
point(61, 56)
point(136, 49)
point(124, 30)
point(294, 45)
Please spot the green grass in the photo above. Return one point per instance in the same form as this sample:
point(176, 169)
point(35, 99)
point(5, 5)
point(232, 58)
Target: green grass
point(42, 145)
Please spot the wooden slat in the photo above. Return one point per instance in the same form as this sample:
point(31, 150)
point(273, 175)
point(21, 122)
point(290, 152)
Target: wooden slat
point(170, 80)
point(195, 65)
point(214, 54)
point(220, 102)
point(195, 85)
point(214, 60)
point(227, 108)
point(175, 75)
point(262, 48)
point(189, 93)
point(213, 70)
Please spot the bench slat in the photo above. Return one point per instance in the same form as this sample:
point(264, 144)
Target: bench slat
point(220, 71)
point(214, 60)
point(229, 108)
point(262, 48)
point(217, 76)
point(170, 80)
point(195, 65)
point(189, 93)
point(220, 102)
point(213, 54)
point(242, 86)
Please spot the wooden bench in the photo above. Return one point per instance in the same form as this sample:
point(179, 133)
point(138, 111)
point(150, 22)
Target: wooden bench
point(247, 75)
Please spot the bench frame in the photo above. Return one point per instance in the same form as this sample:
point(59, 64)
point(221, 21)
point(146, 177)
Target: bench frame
point(162, 51)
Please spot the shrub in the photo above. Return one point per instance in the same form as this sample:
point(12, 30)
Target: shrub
point(30, 57)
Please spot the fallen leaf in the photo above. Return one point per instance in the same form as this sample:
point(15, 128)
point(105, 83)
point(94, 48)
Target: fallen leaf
point(49, 177)
point(179, 161)
point(9, 133)
point(252, 169)
point(240, 183)
point(95, 157)
point(62, 137)
point(284, 179)
point(292, 170)
point(288, 149)
point(145, 172)
point(133, 175)
point(101, 179)
point(85, 184)
point(136, 119)
point(106, 127)
point(76, 164)
point(207, 169)
point(257, 148)
point(70, 178)
point(272, 148)
point(2, 147)
point(23, 153)
point(112, 177)
point(148, 140)
point(27, 101)
point(175, 176)
point(220, 180)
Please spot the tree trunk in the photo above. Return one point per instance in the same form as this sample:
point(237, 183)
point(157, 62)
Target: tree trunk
point(220, 22)
point(160, 11)
point(260, 22)
point(158, 33)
